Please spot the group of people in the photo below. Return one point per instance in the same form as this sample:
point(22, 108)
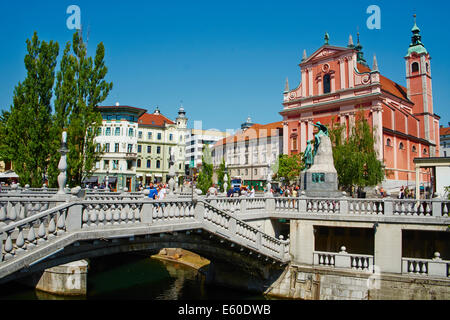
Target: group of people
point(243, 191)
point(288, 191)
point(406, 193)
point(157, 191)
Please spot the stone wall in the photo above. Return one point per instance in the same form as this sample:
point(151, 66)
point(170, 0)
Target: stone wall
point(308, 283)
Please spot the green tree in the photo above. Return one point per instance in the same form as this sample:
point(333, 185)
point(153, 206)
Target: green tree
point(26, 127)
point(204, 181)
point(355, 158)
point(221, 175)
point(289, 167)
point(80, 88)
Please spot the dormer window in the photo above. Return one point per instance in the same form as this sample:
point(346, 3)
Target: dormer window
point(326, 83)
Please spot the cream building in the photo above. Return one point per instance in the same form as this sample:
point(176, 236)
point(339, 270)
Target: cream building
point(118, 138)
point(250, 152)
point(159, 139)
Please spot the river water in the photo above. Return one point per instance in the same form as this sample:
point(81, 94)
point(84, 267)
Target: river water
point(136, 277)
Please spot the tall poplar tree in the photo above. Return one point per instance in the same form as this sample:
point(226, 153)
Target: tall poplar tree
point(81, 87)
point(26, 127)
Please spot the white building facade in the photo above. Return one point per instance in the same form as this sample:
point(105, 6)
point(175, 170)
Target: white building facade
point(250, 153)
point(118, 138)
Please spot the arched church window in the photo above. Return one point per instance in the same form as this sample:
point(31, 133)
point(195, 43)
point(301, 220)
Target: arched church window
point(415, 67)
point(326, 83)
point(401, 146)
point(414, 149)
point(424, 151)
point(388, 142)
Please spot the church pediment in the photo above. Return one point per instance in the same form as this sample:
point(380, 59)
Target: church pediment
point(325, 52)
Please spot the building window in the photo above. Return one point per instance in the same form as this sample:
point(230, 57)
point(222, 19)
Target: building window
point(130, 132)
point(99, 132)
point(256, 172)
point(424, 151)
point(401, 146)
point(246, 171)
point(107, 147)
point(150, 136)
point(294, 143)
point(129, 164)
point(428, 67)
point(149, 149)
point(140, 134)
point(149, 163)
point(158, 150)
point(106, 165)
point(414, 149)
point(97, 147)
point(116, 147)
point(326, 83)
point(115, 164)
point(159, 135)
point(139, 163)
point(130, 148)
point(415, 67)
point(388, 142)
point(171, 137)
point(139, 148)
point(108, 131)
point(117, 131)
point(158, 164)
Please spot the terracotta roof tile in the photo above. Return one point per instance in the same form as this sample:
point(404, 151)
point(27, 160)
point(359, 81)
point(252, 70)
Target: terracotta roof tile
point(444, 131)
point(388, 85)
point(154, 120)
point(255, 131)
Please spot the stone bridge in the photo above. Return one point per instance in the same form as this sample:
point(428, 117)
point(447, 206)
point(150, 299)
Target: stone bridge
point(43, 231)
point(83, 228)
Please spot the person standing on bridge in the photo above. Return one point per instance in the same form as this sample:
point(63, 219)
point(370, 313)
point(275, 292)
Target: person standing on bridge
point(153, 192)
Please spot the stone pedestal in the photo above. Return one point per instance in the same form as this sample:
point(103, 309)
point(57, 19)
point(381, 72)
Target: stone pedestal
point(321, 180)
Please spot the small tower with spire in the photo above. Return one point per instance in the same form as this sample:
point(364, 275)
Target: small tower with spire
point(418, 82)
point(181, 120)
point(360, 54)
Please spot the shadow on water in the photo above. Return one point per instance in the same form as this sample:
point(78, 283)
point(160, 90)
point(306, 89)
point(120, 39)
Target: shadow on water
point(136, 277)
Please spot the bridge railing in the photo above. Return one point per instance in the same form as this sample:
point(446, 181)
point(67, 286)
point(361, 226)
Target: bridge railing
point(342, 259)
point(426, 267)
point(18, 237)
point(231, 227)
point(335, 206)
point(17, 208)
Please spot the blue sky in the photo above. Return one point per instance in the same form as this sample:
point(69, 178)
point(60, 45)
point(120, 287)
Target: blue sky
point(226, 60)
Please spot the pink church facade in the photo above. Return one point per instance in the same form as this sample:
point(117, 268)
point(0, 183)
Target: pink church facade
point(336, 83)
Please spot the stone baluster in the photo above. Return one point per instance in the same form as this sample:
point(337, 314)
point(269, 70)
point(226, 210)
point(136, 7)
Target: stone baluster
point(388, 207)
point(62, 166)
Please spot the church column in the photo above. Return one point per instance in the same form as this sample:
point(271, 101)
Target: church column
point(342, 72)
point(333, 83)
point(343, 121)
point(310, 82)
point(378, 129)
point(310, 129)
point(350, 71)
point(303, 138)
point(303, 83)
point(351, 122)
point(285, 138)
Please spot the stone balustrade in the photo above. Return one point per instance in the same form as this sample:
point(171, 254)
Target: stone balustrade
point(435, 267)
point(26, 234)
point(342, 259)
point(17, 208)
point(386, 208)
